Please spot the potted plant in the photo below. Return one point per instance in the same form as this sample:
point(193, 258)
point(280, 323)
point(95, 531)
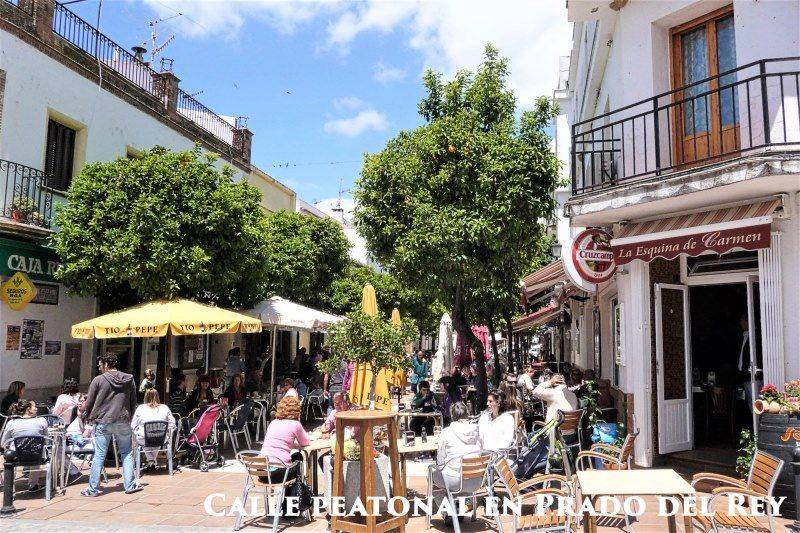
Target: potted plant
point(370, 340)
point(22, 208)
point(769, 400)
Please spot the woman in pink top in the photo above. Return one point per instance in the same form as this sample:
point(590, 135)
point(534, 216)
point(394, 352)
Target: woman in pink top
point(284, 436)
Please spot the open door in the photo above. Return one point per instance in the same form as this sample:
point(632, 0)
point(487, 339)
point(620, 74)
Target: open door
point(674, 369)
point(752, 332)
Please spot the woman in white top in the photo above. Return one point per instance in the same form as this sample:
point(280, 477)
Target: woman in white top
point(496, 426)
point(152, 410)
point(66, 402)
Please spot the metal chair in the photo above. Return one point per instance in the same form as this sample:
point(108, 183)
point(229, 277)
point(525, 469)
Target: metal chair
point(314, 399)
point(52, 420)
point(236, 424)
point(474, 473)
point(609, 456)
point(157, 438)
point(33, 452)
point(760, 483)
point(261, 467)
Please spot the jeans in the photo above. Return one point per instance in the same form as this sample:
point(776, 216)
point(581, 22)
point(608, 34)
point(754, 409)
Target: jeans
point(102, 439)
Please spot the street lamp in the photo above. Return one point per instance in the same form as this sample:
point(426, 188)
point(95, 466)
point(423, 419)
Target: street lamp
point(555, 250)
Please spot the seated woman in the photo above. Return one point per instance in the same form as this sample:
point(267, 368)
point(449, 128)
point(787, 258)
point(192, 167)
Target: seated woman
point(287, 389)
point(425, 402)
point(201, 397)
point(235, 391)
point(460, 438)
point(452, 394)
point(16, 390)
point(152, 410)
point(284, 436)
point(496, 425)
point(27, 425)
point(66, 402)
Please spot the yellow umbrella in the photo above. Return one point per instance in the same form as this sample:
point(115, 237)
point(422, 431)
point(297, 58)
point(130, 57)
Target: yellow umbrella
point(362, 377)
point(157, 318)
point(163, 317)
point(398, 378)
point(395, 317)
point(369, 304)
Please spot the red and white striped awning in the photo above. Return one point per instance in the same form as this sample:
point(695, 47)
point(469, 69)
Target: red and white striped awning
point(745, 227)
point(545, 277)
point(532, 320)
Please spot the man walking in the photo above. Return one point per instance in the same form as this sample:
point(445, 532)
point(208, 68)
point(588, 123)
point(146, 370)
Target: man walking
point(110, 404)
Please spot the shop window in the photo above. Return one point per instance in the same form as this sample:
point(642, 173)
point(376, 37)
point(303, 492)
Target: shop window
point(616, 333)
point(59, 155)
point(598, 365)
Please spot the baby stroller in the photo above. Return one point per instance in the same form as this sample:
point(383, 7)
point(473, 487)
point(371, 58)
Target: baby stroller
point(201, 445)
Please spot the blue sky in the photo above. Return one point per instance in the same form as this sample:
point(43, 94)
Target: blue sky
point(323, 82)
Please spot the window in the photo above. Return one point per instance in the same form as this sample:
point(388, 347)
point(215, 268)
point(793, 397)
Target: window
point(598, 366)
point(616, 332)
point(60, 155)
point(707, 116)
point(719, 264)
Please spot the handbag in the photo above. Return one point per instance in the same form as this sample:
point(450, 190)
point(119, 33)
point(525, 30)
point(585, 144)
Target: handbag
point(302, 493)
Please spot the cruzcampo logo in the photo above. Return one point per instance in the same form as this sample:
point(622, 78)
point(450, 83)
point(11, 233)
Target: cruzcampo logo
point(18, 291)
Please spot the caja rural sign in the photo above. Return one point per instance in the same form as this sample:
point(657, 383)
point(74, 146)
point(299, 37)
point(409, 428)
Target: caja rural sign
point(590, 259)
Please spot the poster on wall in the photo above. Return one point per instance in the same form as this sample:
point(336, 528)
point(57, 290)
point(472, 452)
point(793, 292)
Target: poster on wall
point(32, 339)
point(12, 337)
point(52, 347)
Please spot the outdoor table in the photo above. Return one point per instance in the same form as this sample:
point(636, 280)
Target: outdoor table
point(418, 447)
point(637, 482)
point(312, 453)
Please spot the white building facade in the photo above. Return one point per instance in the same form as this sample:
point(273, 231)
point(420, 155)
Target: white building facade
point(681, 135)
point(69, 95)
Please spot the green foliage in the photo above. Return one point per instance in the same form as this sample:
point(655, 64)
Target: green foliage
point(344, 295)
point(463, 192)
point(458, 200)
point(747, 450)
point(304, 256)
point(366, 339)
point(163, 225)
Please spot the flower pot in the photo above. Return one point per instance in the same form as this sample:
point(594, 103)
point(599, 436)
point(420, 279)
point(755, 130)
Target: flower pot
point(774, 407)
point(759, 406)
point(18, 215)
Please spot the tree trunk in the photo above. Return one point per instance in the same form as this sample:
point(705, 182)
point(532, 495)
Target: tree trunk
point(462, 326)
point(512, 357)
point(495, 352)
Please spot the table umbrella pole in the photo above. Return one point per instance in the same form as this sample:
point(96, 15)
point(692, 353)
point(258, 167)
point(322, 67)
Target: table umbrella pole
point(272, 366)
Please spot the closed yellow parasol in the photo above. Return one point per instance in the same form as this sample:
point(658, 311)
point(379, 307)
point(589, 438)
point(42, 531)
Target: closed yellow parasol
point(399, 377)
point(362, 376)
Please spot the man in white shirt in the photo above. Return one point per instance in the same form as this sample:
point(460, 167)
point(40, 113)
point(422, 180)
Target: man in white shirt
point(525, 381)
point(558, 397)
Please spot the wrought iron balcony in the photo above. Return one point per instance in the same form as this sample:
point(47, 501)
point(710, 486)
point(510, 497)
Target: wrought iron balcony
point(720, 118)
point(26, 196)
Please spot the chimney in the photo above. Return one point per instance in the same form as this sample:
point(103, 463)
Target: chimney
point(139, 52)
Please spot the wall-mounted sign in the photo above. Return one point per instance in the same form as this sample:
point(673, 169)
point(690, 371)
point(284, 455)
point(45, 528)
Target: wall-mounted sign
point(12, 337)
point(52, 347)
point(32, 339)
point(18, 291)
point(38, 262)
point(589, 260)
point(46, 293)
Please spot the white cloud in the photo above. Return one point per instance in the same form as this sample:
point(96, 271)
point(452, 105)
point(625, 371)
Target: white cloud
point(448, 34)
point(451, 35)
point(386, 74)
point(348, 103)
point(365, 120)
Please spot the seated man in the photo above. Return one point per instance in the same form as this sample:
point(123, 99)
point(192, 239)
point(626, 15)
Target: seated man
point(425, 402)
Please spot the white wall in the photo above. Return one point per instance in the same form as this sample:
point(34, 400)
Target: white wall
point(47, 372)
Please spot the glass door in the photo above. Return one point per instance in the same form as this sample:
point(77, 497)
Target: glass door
point(706, 112)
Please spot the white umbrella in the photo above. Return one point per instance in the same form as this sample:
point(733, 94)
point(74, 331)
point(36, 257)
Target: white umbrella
point(443, 359)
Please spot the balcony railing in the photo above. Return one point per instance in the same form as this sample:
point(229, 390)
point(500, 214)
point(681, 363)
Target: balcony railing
point(192, 109)
point(88, 39)
point(709, 121)
point(26, 197)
